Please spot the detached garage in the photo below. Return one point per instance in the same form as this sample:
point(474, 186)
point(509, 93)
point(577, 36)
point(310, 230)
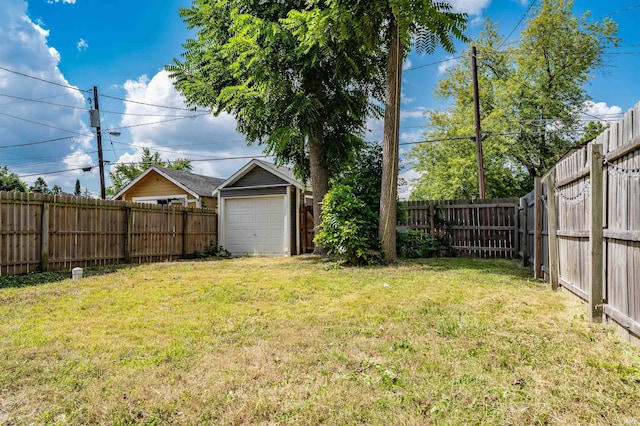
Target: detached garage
point(259, 211)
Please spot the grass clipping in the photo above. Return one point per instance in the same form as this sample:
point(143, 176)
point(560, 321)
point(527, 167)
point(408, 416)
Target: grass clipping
point(290, 341)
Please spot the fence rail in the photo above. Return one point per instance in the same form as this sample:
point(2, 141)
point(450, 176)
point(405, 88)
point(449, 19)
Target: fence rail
point(589, 205)
point(479, 228)
point(59, 232)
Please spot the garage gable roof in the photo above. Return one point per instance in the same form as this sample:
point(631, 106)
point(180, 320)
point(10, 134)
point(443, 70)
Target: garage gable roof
point(282, 172)
point(196, 185)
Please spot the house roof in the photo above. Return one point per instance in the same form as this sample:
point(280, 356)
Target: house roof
point(197, 185)
point(283, 172)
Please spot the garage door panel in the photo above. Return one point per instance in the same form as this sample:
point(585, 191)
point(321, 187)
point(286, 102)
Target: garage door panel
point(241, 218)
point(255, 225)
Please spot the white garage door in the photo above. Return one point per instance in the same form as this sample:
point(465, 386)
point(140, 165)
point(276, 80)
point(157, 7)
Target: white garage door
point(255, 226)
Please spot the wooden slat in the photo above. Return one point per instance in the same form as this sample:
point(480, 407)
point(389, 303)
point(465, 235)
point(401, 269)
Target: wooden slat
point(84, 232)
point(616, 234)
point(572, 234)
point(573, 289)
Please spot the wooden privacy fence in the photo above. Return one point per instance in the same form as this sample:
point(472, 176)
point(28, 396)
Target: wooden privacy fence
point(533, 232)
point(585, 231)
point(52, 233)
point(479, 228)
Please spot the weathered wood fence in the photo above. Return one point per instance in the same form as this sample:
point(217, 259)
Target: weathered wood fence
point(53, 233)
point(478, 228)
point(585, 231)
point(533, 232)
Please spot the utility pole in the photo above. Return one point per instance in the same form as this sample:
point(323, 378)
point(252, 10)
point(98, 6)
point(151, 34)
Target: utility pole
point(476, 105)
point(99, 136)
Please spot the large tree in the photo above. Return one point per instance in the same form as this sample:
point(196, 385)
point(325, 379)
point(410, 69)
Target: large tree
point(123, 173)
point(10, 181)
point(296, 79)
point(532, 95)
point(423, 24)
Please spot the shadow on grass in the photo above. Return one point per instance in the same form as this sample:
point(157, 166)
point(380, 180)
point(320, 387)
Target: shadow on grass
point(508, 267)
point(37, 278)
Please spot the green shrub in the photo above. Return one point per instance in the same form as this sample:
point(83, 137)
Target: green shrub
point(413, 244)
point(349, 227)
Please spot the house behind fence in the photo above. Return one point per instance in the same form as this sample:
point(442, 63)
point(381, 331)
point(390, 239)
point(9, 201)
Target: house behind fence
point(42, 232)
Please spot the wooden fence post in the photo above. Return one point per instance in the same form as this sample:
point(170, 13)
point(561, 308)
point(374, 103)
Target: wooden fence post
point(595, 234)
point(128, 220)
point(44, 238)
point(432, 219)
point(516, 235)
point(185, 234)
point(553, 227)
point(524, 205)
point(537, 228)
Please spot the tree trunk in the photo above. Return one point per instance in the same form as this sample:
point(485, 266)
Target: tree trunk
point(389, 193)
point(319, 176)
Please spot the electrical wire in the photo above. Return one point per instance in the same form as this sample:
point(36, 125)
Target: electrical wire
point(43, 80)
point(148, 104)
point(139, 163)
point(615, 12)
point(42, 102)
point(43, 124)
point(434, 63)
point(36, 143)
point(518, 24)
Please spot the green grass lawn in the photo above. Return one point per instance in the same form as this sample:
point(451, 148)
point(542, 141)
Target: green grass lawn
point(299, 341)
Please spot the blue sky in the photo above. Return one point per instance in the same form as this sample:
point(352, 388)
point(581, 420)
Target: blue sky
point(122, 46)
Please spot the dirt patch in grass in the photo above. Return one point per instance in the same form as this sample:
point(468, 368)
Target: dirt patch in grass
point(298, 341)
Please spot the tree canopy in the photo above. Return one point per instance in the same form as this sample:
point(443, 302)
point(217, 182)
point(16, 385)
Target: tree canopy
point(9, 181)
point(123, 173)
point(296, 80)
point(532, 95)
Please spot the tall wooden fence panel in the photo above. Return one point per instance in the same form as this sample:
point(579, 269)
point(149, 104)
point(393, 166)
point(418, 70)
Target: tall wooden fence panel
point(572, 191)
point(621, 177)
point(594, 223)
point(479, 228)
point(53, 233)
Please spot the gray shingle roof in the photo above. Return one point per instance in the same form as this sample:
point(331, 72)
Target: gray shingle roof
point(287, 171)
point(201, 185)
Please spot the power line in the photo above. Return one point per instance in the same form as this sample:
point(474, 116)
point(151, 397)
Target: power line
point(159, 149)
point(42, 80)
point(43, 124)
point(518, 24)
point(51, 173)
point(42, 102)
point(434, 63)
point(138, 163)
point(143, 115)
point(36, 143)
point(472, 138)
point(158, 122)
point(148, 104)
point(615, 12)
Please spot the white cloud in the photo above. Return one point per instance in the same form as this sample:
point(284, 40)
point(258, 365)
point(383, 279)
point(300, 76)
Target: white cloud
point(24, 49)
point(82, 45)
point(472, 7)
point(600, 110)
point(419, 112)
point(448, 63)
point(409, 177)
point(407, 64)
point(203, 139)
point(61, 1)
point(413, 136)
